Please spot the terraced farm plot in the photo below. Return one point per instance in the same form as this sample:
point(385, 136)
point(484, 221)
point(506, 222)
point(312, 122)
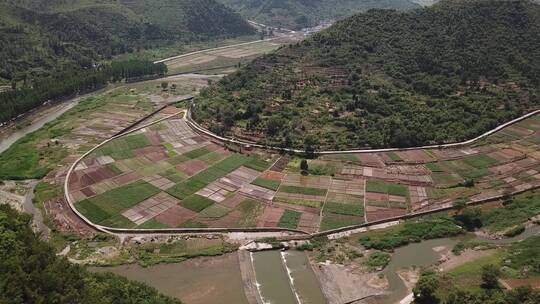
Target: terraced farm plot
point(122, 147)
point(345, 209)
point(267, 183)
point(303, 190)
point(196, 203)
point(333, 221)
point(387, 188)
point(289, 219)
point(170, 176)
point(221, 58)
point(480, 161)
point(109, 204)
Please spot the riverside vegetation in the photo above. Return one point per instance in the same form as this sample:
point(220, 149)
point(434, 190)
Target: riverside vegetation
point(478, 281)
point(388, 79)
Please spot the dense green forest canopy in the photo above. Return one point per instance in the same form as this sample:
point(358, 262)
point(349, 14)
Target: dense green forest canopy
point(63, 43)
point(387, 78)
point(297, 14)
point(41, 37)
point(30, 272)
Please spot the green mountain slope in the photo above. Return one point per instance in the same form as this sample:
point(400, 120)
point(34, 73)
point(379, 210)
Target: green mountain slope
point(33, 273)
point(296, 14)
point(386, 78)
point(42, 36)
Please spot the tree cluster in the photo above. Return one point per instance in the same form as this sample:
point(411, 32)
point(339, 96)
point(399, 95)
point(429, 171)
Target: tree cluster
point(31, 272)
point(66, 84)
point(390, 79)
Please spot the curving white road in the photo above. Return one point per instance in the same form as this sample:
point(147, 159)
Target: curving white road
point(198, 127)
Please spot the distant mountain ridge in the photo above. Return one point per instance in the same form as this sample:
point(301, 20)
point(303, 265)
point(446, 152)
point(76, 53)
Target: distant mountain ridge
point(41, 36)
point(385, 78)
point(296, 14)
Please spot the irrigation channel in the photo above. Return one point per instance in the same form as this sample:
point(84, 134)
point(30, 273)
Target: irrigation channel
point(283, 277)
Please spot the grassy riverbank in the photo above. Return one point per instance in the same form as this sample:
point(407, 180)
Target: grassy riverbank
point(514, 267)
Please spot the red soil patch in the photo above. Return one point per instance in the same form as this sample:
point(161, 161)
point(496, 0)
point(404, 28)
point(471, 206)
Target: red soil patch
point(381, 214)
point(152, 153)
point(299, 208)
point(380, 197)
point(272, 175)
point(175, 216)
point(504, 169)
point(170, 110)
point(309, 222)
point(199, 139)
point(281, 164)
point(192, 167)
point(270, 217)
point(370, 160)
point(154, 138)
point(213, 147)
point(84, 178)
point(527, 162)
point(101, 174)
point(88, 192)
point(66, 221)
point(418, 156)
point(519, 130)
point(234, 201)
point(230, 220)
point(126, 178)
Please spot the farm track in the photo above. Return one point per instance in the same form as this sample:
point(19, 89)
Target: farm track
point(215, 49)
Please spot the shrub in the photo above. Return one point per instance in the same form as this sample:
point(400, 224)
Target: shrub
point(378, 259)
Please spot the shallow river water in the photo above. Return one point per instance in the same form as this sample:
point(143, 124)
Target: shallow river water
point(282, 277)
point(196, 281)
point(286, 277)
point(52, 114)
point(422, 254)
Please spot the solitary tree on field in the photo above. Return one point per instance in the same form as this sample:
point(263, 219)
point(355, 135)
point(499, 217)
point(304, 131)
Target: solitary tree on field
point(490, 276)
point(304, 165)
point(459, 205)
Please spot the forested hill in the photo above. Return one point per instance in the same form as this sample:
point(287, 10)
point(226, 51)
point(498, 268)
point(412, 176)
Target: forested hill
point(32, 273)
point(40, 37)
point(297, 14)
point(386, 78)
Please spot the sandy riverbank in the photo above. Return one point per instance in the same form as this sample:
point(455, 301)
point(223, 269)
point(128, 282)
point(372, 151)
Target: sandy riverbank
point(347, 284)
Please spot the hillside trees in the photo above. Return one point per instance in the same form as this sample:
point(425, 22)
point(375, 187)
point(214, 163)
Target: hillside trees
point(30, 272)
point(393, 79)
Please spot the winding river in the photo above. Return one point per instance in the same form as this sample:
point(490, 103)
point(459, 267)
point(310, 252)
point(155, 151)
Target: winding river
point(49, 115)
point(422, 254)
point(282, 277)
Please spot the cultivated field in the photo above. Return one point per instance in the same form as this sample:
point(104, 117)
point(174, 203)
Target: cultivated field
point(218, 61)
point(166, 176)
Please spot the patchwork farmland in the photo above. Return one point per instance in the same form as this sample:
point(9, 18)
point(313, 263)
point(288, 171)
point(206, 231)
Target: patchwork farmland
point(168, 176)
